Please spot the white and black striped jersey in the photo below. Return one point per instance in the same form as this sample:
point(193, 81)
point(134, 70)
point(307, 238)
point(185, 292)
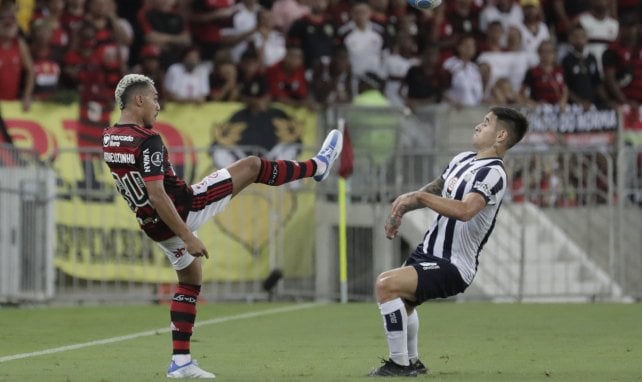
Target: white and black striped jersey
point(459, 241)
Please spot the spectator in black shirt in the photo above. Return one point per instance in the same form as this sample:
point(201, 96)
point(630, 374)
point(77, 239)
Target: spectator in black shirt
point(424, 84)
point(164, 27)
point(315, 33)
point(581, 72)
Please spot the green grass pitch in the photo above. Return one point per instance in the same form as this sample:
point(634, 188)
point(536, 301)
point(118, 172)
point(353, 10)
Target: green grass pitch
point(332, 342)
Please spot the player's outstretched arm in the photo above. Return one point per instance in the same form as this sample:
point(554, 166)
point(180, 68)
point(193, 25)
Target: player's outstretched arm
point(167, 212)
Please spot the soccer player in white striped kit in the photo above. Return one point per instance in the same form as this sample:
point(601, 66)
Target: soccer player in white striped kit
point(466, 197)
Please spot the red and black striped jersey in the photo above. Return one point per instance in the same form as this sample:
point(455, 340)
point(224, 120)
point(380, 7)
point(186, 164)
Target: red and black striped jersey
point(135, 154)
point(545, 86)
point(626, 62)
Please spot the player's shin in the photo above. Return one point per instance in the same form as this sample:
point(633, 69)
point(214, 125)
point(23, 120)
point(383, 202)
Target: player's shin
point(183, 315)
point(278, 172)
point(395, 323)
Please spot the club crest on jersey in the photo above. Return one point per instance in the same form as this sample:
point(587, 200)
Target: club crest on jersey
point(451, 184)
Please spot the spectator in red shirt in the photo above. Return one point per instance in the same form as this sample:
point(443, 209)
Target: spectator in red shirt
point(623, 65)
point(95, 69)
point(287, 79)
point(545, 82)
point(207, 18)
point(150, 66)
point(15, 59)
point(461, 18)
point(73, 15)
point(102, 14)
point(52, 14)
point(339, 11)
point(46, 68)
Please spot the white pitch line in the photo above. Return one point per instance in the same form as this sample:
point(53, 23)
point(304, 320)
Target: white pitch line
point(148, 333)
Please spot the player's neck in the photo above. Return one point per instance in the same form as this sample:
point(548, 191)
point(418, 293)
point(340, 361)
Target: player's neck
point(127, 118)
point(491, 152)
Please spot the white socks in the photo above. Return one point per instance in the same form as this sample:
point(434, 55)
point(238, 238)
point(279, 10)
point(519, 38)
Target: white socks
point(181, 359)
point(413, 336)
point(321, 166)
point(395, 324)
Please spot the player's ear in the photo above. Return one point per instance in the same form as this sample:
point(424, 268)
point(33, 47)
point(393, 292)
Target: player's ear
point(502, 135)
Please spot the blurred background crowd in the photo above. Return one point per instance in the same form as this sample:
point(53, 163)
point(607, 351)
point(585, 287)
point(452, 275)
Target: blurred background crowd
point(311, 53)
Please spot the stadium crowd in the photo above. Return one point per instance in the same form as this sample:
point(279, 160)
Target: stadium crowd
point(314, 52)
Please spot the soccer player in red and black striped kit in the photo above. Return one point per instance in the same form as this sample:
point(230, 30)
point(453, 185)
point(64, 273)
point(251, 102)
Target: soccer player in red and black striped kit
point(170, 211)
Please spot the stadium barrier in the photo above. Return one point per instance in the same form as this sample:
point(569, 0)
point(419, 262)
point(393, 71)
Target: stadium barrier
point(27, 194)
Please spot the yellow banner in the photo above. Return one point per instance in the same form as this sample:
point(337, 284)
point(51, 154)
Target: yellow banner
point(97, 236)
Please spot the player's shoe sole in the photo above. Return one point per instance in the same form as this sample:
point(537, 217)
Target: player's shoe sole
point(329, 152)
point(189, 370)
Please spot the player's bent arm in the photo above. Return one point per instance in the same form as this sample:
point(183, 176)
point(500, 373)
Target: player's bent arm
point(167, 212)
point(405, 204)
point(463, 210)
point(435, 187)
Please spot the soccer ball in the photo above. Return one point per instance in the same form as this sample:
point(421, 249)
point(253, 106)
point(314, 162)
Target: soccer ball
point(424, 4)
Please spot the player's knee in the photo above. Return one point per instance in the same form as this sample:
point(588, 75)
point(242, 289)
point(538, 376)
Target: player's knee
point(253, 163)
point(385, 286)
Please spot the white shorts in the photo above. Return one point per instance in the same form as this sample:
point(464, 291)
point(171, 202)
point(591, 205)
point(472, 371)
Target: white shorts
point(211, 196)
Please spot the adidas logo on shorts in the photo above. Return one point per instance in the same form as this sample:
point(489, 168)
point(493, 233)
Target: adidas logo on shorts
point(426, 266)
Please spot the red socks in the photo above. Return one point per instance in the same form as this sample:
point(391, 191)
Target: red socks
point(183, 315)
point(278, 172)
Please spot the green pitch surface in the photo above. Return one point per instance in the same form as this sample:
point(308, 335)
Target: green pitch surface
point(307, 342)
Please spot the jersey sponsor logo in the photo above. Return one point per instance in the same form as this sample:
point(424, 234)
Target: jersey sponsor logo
point(426, 266)
point(483, 187)
point(114, 140)
point(157, 158)
point(146, 161)
point(119, 158)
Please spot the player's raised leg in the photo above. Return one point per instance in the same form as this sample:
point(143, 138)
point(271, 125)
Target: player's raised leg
point(277, 172)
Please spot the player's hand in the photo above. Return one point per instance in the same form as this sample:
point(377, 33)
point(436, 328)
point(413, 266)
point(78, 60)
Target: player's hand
point(195, 247)
point(392, 225)
point(399, 207)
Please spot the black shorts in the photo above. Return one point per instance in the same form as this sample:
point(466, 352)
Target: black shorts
point(436, 277)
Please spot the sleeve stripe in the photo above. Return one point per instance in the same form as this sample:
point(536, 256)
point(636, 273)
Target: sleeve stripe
point(154, 177)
